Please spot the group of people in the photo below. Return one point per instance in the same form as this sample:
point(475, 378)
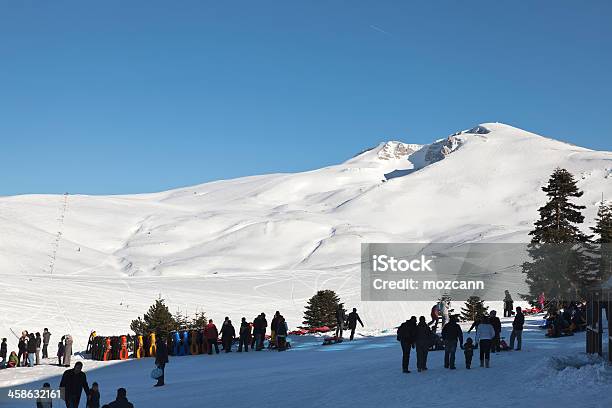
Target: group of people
point(566, 321)
point(422, 337)
point(349, 321)
point(32, 348)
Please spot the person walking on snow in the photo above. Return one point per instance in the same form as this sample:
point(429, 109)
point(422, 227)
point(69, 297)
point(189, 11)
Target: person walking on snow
point(423, 341)
point(508, 305)
point(451, 333)
point(517, 329)
point(227, 335)
point(60, 352)
point(161, 359)
point(340, 319)
point(468, 352)
point(46, 336)
point(353, 318)
point(67, 350)
point(74, 381)
point(406, 335)
point(38, 346)
point(211, 334)
point(484, 336)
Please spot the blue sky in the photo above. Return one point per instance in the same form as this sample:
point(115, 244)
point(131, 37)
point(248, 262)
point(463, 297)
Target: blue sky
point(120, 97)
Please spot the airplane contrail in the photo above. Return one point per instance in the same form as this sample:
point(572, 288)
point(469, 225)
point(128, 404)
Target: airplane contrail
point(380, 30)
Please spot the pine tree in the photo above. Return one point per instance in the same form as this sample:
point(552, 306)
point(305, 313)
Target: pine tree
point(603, 234)
point(181, 322)
point(321, 310)
point(474, 307)
point(198, 322)
point(561, 264)
point(158, 319)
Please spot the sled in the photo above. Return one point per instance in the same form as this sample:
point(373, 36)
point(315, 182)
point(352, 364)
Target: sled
point(329, 340)
point(322, 329)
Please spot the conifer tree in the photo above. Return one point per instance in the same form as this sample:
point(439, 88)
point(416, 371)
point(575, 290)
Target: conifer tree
point(603, 237)
point(158, 319)
point(474, 307)
point(321, 310)
point(561, 264)
point(198, 322)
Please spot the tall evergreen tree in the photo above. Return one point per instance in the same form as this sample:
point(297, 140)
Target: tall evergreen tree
point(474, 307)
point(603, 237)
point(158, 319)
point(198, 322)
point(561, 265)
point(321, 310)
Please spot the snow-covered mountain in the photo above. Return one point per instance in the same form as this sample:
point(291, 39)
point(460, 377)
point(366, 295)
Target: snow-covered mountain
point(265, 243)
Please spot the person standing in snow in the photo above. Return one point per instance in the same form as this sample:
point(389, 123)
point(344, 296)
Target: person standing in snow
point(43, 401)
point(423, 341)
point(22, 348)
point(211, 334)
point(38, 345)
point(353, 318)
point(259, 330)
point(340, 319)
point(273, 328)
point(60, 352)
point(281, 334)
point(406, 335)
point(541, 301)
point(67, 350)
point(496, 323)
point(468, 352)
point(121, 400)
point(222, 326)
point(451, 333)
point(46, 336)
point(161, 358)
point(245, 336)
point(508, 304)
point(517, 329)
point(3, 351)
point(93, 399)
point(444, 310)
point(227, 335)
point(484, 336)
point(435, 316)
point(31, 349)
point(74, 382)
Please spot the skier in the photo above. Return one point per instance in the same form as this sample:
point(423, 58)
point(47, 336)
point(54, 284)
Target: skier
point(245, 336)
point(340, 319)
point(67, 350)
point(46, 336)
point(353, 318)
point(508, 304)
point(93, 399)
point(60, 352)
point(281, 334)
point(517, 329)
point(211, 334)
point(161, 359)
point(31, 349)
point(451, 333)
point(468, 352)
point(423, 340)
point(74, 381)
point(496, 323)
point(121, 400)
point(38, 345)
point(406, 335)
point(3, 351)
point(227, 335)
point(484, 336)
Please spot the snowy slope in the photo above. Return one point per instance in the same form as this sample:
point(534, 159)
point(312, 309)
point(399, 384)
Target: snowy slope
point(265, 243)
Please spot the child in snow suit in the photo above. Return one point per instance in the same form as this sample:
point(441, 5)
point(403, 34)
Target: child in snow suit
point(468, 352)
point(93, 400)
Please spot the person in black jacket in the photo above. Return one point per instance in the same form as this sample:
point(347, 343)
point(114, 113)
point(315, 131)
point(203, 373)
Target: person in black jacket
point(340, 320)
point(3, 350)
point(451, 333)
point(227, 335)
point(508, 304)
point(46, 336)
point(74, 381)
point(22, 346)
point(423, 341)
point(406, 335)
point(496, 323)
point(121, 401)
point(352, 319)
point(31, 349)
point(259, 330)
point(244, 336)
point(517, 329)
point(161, 358)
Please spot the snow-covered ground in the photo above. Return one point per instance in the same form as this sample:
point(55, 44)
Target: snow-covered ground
point(363, 373)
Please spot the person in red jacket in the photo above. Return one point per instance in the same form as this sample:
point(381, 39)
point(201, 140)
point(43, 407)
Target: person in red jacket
point(211, 334)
